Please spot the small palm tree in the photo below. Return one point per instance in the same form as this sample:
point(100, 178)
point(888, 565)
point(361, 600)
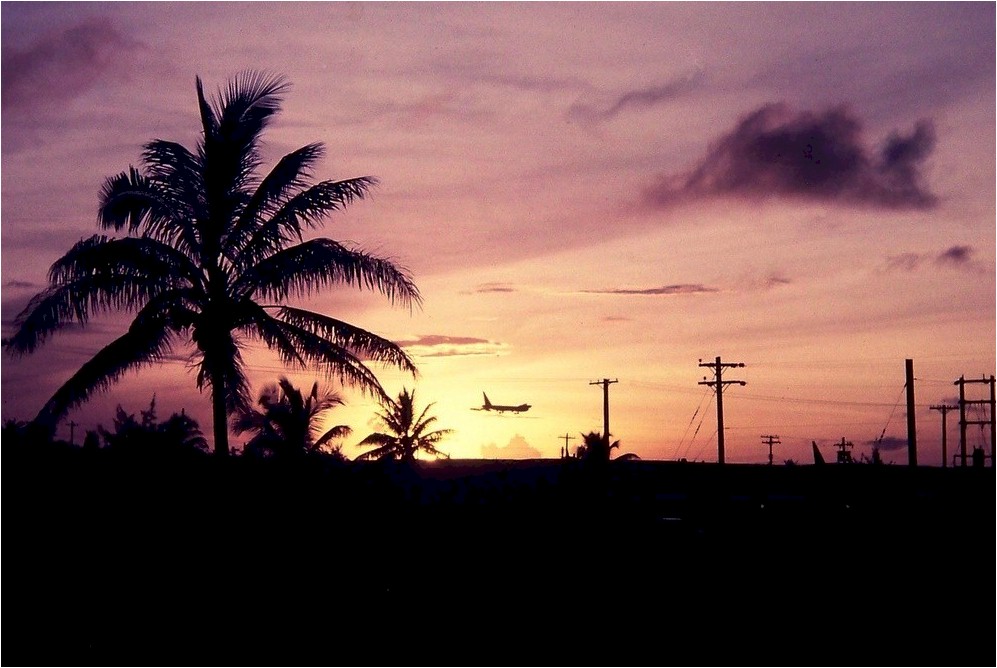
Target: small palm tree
point(407, 434)
point(595, 448)
point(288, 424)
point(214, 250)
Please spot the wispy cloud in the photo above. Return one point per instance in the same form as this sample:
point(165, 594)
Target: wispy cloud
point(417, 113)
point(775, 281)
point(485, 288)
point(438, 345)
point(441, 340)
point(635, 100)
point(60, 66)
point(753, 281)
point(774, 151)
point(664, 290)
point(22, 285)
point(904, 262)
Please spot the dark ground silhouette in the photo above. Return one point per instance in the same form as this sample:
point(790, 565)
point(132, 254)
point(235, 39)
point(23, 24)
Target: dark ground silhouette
point(118, 557)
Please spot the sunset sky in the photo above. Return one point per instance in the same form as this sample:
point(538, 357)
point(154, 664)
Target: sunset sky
point(581, 191)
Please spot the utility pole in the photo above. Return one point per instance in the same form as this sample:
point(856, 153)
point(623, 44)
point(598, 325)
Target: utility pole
point(72, 432)
point(605, 382)
point(943, 409)
point(844, 456)
point(911, 426)
point(963, 422)
point(567, 437)
point(770, 440)
point(718, 384)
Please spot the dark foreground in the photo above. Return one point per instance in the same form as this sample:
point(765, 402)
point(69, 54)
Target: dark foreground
point(126, 558)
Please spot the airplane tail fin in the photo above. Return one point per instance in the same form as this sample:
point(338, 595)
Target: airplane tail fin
point(488, 404)
point(818, 458)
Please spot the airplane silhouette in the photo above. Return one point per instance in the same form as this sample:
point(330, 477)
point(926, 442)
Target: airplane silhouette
point(489, 406)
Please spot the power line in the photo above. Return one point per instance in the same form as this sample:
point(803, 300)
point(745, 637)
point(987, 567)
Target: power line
point(700, 425)
point(693, 419)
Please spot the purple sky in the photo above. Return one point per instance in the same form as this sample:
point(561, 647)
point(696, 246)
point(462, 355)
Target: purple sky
point(581, 191)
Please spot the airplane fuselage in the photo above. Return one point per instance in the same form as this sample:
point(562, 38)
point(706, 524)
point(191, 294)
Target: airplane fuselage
point(522, 408)
point(498, 408)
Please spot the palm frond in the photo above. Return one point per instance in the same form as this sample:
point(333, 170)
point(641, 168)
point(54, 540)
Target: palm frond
point(304, 210)
point(209, 120)
point(290, 174)
point(319, 263)
point(300, 346)
point(144, 259)
point(386, 446)
point(126, 199)
point(339, 431)
point(133, 200)
point(390, 417)
point(310, 348)
point(233, 123)
point(379, 453)
point(378, 439)
point(146, 342)
point(251, 99)
point(179, 175)
point(100, 274)
point(336, 361)
point(359, 342)
point(248, 420)
point(419, 424)
point(277, 335)
point(291, 394)
point(434, 436)
point(175, 166)
point(429, 449)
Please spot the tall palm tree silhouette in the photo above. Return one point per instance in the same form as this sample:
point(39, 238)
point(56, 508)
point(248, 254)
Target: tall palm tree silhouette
point(407, 434)
point(288, 424)
point(214, 252)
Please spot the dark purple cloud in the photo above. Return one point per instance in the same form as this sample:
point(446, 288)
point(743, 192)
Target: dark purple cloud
point(679, 289)
point(635, 100)
point(889, 443)
point(955, 256)
point(62, 65)
point(22, 285)
point(776, 152)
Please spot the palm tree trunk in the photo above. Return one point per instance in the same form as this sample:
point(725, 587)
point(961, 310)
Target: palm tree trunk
point(219, 418)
